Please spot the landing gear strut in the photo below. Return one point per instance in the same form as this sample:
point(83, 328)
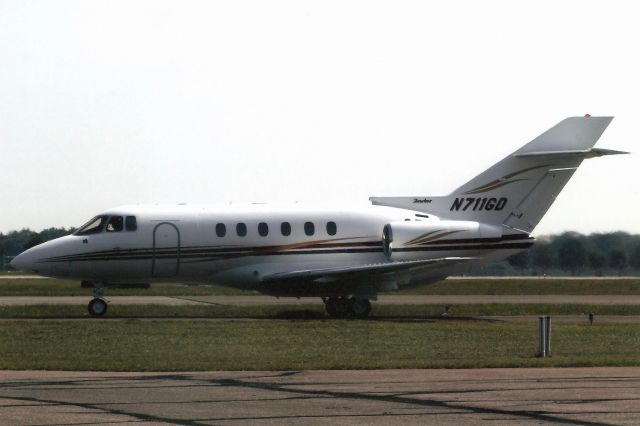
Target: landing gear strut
point(98, 306)
point(347, 307)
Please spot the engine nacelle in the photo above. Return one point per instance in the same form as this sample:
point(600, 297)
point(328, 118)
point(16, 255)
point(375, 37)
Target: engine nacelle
point(398, 237)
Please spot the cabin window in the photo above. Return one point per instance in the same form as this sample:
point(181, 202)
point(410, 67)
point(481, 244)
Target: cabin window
point(115, 224)
point(94, 226)
point(263, 229)
point(309, 228)
point(221, 230)
point(241, 229)
point(332, 228)
point(285, 228)
point(130, 223)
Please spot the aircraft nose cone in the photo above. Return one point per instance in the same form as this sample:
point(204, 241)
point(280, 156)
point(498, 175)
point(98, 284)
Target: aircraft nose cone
point(18, 263)
point(25, 261)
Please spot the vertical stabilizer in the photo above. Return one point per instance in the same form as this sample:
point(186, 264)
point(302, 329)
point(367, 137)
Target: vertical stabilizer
point(517, 191)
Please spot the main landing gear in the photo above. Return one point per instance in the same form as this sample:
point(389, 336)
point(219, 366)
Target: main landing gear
point(98, 306)
point(347, 307)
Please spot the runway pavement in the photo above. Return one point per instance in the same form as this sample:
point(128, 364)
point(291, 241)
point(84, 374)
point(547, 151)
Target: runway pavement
point(388, 299)
point(570, 396)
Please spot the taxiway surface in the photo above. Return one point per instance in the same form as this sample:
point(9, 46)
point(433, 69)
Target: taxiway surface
point(584, 396)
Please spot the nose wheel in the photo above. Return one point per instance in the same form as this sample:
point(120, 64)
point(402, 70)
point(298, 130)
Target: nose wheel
point(97, 307)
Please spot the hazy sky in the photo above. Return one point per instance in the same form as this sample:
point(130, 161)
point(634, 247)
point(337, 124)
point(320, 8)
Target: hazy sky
point(117, 102)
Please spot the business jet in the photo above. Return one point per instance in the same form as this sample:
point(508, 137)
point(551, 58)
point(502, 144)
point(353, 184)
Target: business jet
point(344, 256)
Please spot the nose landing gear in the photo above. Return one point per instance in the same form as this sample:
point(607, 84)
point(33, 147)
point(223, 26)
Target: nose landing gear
point(347, 307)
point(98, 306)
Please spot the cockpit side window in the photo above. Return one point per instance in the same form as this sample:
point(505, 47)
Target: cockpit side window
point(115, 224)
point(130, 223)
point(94, 226)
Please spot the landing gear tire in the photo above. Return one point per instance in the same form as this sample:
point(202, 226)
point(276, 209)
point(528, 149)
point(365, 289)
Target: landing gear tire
point(338, 307)
point(360, 308)
point(343, 307)
point(330, 307)
point(97, 307)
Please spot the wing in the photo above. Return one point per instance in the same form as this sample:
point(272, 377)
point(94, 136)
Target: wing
point(377, 270)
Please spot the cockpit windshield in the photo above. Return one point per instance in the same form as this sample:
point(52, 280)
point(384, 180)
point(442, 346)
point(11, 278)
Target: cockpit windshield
point(108, 224)
point(94, 226)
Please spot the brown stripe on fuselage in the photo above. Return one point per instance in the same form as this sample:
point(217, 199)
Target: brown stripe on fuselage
point(433, 238)
point(204, 254)
point(485, 187)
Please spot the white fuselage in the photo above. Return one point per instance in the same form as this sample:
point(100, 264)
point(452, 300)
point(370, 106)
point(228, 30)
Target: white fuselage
point(231, 245)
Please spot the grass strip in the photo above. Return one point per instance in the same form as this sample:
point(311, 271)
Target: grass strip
point(134, 345)
point(55, 287)
point(311, 311)
point(480, 286)
point(529, 286)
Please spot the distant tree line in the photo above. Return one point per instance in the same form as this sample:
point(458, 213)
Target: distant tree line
point(616, 253)
point(570, 253)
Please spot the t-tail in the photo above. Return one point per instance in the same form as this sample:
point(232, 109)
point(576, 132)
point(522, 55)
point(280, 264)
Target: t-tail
point(517, 191)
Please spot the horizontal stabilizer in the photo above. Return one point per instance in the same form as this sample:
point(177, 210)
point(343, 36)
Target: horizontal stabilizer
point(582, 153)
point(573, 133)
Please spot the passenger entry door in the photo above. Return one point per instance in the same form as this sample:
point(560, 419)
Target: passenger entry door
point(165, 261)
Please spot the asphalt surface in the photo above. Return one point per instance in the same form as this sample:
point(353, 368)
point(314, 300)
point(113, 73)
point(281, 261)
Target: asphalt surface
point(569, 396)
